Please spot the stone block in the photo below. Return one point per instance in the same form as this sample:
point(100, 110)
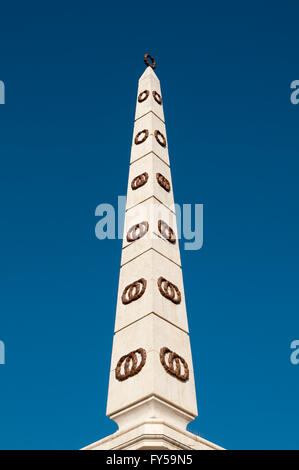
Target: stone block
point(150, 164)
point(151, 123)
point(151, 333)
point(160, 224)
point(151, 266)
point(149, 82)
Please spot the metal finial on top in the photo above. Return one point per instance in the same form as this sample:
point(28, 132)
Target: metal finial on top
point(151, 64)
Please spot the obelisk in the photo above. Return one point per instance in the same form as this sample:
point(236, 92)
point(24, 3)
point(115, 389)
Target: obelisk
point(151, 392)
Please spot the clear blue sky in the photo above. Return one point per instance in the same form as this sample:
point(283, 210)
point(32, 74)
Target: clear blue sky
point(71, 72)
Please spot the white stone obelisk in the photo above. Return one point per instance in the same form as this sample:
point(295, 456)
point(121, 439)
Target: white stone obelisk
point(151, 389)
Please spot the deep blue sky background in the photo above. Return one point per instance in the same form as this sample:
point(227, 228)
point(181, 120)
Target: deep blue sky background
point(71, 72)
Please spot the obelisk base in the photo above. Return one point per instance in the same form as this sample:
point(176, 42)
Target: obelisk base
point(151, 436)
point(152, 424)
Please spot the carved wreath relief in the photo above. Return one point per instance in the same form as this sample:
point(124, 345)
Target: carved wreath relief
point(143, 96)
point(139, 181)
point(130, 364)
point(174, 364)
point(137, 231)
point(166, 231)
point(169, 291)
point(141, 136)
point(163, 182)
point(133, 291)
point(160, 138)
point(142, 179)
point(157, 97)
point(136, 289)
